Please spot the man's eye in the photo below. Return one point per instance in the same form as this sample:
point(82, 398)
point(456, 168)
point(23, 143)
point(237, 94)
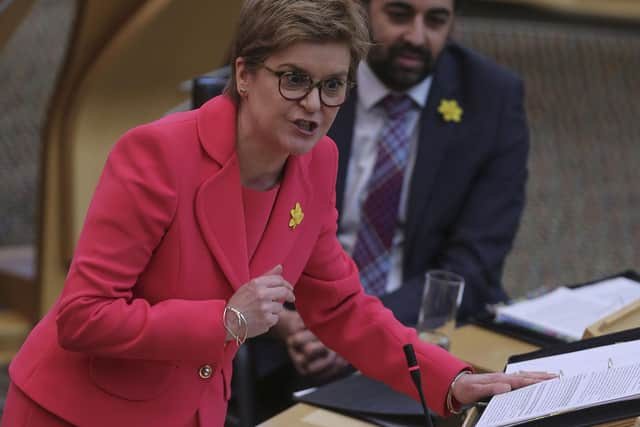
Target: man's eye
point(296, 80)
point(436, 20)
point(399, 15)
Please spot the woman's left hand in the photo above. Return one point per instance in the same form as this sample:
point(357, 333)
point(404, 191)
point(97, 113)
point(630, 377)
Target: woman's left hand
point(471, 388)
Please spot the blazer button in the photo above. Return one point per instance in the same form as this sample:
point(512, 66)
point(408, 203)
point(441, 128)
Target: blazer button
point(205, 372)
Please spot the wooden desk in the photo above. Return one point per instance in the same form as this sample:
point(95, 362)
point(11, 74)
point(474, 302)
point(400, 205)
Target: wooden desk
point(303, 415)
point(485, 350)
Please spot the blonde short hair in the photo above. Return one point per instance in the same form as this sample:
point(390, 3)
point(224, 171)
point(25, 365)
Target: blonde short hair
point(268, 26)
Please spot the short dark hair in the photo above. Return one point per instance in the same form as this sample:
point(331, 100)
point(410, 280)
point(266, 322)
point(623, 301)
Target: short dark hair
point(268, 26)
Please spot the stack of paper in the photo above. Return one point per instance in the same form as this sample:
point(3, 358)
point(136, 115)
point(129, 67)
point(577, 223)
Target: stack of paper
point(587, 378)
point(565, 313)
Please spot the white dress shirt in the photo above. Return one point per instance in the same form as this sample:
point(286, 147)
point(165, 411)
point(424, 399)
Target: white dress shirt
point(369, 123)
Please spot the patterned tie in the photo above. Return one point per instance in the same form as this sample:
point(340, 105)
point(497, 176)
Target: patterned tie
point(380, 209)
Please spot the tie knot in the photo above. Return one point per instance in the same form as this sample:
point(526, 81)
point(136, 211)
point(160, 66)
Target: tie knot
point(396, 105)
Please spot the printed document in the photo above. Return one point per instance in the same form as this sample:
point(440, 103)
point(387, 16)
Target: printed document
point(566, 313)
point(587, 378)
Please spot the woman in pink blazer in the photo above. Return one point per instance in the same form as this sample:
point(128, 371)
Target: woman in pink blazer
point(201, 226)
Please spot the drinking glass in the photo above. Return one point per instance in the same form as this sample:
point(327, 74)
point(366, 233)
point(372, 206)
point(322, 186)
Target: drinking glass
point(440, 301)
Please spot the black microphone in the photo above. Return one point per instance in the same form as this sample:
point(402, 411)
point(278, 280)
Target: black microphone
point(414, 371)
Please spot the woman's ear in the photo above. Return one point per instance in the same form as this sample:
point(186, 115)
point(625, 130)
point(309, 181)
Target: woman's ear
point(242, 76)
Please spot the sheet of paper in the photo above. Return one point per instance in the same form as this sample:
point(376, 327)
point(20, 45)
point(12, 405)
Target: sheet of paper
point(566, 313)
point(563, 394)
point(561, 312)
point(569, 364)
point(616, 292)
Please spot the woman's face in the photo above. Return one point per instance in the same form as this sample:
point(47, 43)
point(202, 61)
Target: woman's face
point(285, 126)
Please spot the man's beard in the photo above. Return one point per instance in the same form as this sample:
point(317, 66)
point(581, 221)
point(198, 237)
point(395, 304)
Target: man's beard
point(394, 75)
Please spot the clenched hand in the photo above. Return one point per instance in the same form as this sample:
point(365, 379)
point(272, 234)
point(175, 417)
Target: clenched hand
point(261, 301)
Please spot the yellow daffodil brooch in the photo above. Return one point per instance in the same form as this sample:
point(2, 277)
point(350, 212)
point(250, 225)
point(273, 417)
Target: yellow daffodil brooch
point(296, 216)
point(450, 110)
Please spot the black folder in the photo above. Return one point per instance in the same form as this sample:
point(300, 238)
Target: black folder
point(588, 416)
point(362, 397)
point(537, 338)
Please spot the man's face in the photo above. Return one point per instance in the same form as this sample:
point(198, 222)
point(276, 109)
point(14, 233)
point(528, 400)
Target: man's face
point(408, 37)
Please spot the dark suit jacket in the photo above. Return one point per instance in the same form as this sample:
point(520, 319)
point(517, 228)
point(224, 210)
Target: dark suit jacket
point(468, 185)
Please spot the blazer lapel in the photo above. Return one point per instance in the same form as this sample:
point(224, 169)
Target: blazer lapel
point(434, 135)
point(218, 205)
point(342, 133)
point(279, 237)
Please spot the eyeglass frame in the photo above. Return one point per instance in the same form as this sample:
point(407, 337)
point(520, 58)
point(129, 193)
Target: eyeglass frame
point(318, 84)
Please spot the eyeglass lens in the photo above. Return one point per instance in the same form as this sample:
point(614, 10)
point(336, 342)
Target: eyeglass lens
point(295, 86)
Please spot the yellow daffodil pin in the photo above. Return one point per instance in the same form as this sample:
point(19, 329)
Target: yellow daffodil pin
point(296, 216)
point(450, 110)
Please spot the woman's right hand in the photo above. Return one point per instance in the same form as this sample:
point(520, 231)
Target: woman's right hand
point(261, 301)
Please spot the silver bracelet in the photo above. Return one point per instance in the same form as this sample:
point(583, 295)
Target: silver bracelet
point(242, 324)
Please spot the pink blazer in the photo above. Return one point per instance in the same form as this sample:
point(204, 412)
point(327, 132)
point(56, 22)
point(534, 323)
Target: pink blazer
point(163, 248)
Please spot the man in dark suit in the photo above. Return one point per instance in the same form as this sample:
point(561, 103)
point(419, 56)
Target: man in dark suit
point(463, 188)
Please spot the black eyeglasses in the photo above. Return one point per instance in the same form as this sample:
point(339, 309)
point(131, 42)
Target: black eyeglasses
point(295, 85)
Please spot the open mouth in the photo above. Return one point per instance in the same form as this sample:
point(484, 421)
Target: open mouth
point(306, 126)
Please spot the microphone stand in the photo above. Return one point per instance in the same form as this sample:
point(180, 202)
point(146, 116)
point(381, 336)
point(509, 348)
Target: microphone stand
point(414, 371)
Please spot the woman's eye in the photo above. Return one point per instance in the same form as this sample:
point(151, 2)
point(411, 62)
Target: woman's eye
point(333, 85)
point(294, 79)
